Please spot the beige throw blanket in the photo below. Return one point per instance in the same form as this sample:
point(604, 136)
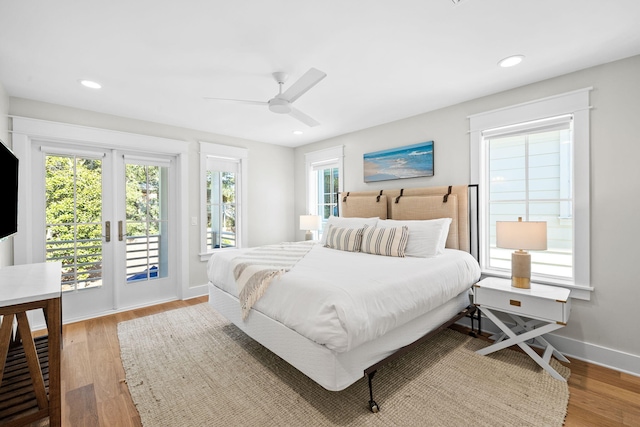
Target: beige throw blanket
point(255, 269)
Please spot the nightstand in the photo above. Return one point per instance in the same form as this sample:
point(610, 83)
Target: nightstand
point(545, 308)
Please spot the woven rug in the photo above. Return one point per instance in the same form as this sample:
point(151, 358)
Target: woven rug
point(191, 367)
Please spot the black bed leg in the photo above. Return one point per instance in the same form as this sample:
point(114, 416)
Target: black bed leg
point(473, 332)
point(373, 406)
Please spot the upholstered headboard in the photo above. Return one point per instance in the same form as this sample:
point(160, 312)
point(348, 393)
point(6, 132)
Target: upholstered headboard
point(415, 203)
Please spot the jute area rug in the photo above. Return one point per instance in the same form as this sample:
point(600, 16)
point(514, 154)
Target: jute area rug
point(191, 367)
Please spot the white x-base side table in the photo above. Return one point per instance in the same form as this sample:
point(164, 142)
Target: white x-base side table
point(546, 307)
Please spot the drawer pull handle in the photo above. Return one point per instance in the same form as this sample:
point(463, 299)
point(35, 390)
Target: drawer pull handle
point(514, 302)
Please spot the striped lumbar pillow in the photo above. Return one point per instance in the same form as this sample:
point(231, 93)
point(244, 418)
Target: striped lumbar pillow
point(344, 239)
point(390, 241)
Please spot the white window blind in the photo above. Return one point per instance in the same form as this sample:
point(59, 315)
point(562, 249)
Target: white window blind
point(222, 164)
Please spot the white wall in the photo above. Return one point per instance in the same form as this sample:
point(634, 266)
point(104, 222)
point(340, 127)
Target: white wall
point(270, 171)
point(608, 320)
point(6, 246)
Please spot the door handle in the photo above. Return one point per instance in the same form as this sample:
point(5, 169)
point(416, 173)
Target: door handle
point(107, 231)
point(120, 234)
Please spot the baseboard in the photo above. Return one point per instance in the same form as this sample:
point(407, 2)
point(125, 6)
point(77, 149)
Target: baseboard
point(36, 318)
point(195, 291)
point(598, 355)
point(592, 353)
point(37, 323)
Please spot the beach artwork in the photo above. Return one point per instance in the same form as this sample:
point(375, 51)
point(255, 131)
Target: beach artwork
point(410, 161)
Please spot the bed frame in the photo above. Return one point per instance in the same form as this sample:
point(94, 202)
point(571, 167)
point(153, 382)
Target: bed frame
point(456, 202)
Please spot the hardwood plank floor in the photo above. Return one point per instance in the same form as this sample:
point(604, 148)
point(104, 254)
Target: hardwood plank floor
point(94, 392)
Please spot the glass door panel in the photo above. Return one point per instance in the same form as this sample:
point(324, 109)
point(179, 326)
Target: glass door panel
point(74, 219)
point(146, 223)
point(75, 233)
point(144, 236)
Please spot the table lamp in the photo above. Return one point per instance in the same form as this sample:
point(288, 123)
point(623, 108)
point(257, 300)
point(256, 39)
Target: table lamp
point(523, 236)
point(310, 223)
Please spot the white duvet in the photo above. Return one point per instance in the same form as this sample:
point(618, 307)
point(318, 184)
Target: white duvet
point(342, 299)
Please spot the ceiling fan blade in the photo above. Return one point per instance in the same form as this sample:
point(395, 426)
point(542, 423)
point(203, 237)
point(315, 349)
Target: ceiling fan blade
point(297, 114)
point(239, 101)
point(304, 83)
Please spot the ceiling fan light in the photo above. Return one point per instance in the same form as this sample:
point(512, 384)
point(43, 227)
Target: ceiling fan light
point(279, 106)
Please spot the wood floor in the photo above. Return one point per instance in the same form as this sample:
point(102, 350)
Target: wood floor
point(94, 392)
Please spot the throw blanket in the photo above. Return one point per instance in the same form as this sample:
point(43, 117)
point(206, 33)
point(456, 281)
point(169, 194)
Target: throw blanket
point(255, 269)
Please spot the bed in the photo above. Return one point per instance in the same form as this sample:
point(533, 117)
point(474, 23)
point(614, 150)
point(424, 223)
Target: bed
point(336, 314)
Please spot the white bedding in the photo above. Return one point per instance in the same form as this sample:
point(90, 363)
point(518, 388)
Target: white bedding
point(343, 299)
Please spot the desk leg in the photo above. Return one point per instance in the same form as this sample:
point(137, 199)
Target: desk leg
point(5, 338)
point(54, 338)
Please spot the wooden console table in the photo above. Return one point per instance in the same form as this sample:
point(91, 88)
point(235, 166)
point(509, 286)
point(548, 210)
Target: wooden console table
point(30, 370)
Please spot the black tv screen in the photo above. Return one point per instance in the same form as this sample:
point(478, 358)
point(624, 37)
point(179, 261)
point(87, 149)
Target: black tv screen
point(9, 191)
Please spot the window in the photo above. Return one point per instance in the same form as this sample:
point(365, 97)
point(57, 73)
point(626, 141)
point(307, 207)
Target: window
point(324, 181)
point(223, 210)
point(532, 161)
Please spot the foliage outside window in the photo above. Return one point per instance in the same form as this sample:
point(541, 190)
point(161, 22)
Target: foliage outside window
point(73, 215)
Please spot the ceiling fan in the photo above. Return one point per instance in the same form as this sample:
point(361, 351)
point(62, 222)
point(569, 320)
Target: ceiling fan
point(281, 103)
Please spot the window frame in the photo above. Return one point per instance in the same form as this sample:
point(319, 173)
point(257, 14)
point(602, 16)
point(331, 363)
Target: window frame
point(576, 104)
point(236, 155)
point(331, 158)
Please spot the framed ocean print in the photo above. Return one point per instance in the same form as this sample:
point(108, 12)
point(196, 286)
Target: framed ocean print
point(410, 161)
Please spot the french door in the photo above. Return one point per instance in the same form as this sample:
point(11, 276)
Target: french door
point(107, 217)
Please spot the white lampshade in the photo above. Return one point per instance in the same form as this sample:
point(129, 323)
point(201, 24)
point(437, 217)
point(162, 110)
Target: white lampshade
point(524, 235)
point(310, 222)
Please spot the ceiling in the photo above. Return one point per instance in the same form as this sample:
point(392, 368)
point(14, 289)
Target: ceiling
point(384, 60)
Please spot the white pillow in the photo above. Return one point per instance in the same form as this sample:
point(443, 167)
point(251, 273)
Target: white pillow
point(427, 238)
point(343, 222)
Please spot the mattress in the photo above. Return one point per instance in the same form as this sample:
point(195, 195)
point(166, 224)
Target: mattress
point(341, 300)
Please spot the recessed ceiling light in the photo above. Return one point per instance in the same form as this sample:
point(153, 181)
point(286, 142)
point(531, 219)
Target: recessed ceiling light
point(297, 132)
point(510, 61)
point(90, 84)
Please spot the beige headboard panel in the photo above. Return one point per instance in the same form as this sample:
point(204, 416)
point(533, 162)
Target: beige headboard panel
point(416, 203)
point(430, 207)
point(364, 206)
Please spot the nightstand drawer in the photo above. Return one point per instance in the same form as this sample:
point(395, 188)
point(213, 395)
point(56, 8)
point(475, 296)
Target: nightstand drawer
point(539, 302)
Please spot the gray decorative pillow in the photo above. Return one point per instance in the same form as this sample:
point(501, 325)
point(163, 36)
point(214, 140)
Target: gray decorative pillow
point(346, 222)
point(391, 241)
point(344, 239)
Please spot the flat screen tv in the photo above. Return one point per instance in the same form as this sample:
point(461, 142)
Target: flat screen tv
point(8, 192)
